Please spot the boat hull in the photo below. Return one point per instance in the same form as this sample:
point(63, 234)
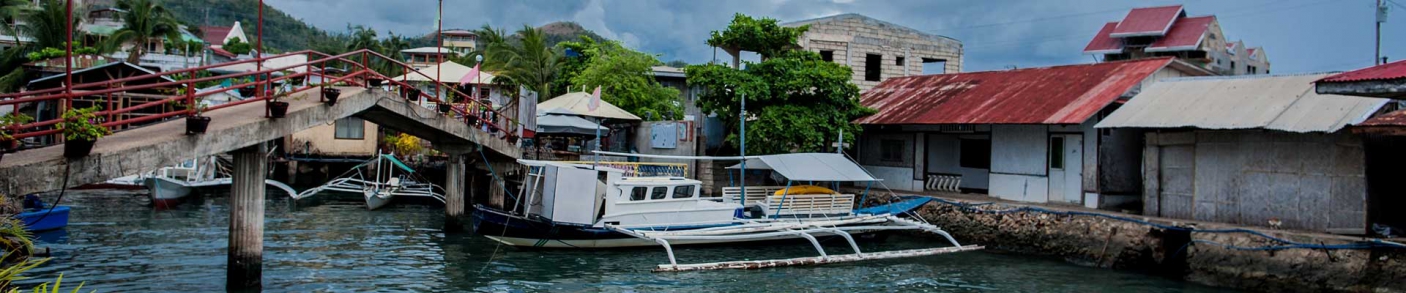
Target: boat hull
point(522, 232)
point(376, 201)
point(44, 219)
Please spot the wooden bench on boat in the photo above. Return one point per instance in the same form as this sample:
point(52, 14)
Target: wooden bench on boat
point(792, 204)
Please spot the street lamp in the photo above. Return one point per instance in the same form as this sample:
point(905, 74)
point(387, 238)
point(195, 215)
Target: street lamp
point(478, 82)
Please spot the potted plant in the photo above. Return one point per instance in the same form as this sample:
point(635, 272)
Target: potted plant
point(246, 91)
point(8, 143)
point(277, 107)
point(80, 127)
point(331, 94)
point(198, 123)
point(444, 108)
point(374, 82)
point(410, 93)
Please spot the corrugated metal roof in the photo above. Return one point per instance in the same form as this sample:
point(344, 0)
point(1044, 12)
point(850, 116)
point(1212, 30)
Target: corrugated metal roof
point(1397, 118)
point(215, 35)
point(1286, 103)
point(1102, 43)
point(1067, 94)
point(1147, 21)
point(1394, 70)
point(1186, 34)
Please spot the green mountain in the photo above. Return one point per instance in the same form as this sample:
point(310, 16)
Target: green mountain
point(282, 32)
point(567, 31)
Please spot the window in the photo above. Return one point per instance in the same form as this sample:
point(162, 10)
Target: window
point(976, 153)
point(891, 150)
point(350, 128)
point(685, 191)
point(637, 193)
point(827, 55)
point(658, 193)
point(934, 66)
point(898, 61)
point(1057, 152)
point(872, 65)
point(1232, 66)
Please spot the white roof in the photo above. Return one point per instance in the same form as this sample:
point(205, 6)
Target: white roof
point(577, 104)
point(1285, 103)
point(567, 124)
point(451, 71)
point(279, 62)
point(426, 50)
point(810, 167)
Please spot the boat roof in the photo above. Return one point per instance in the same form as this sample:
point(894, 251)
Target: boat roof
point(656, 181)
point(810, 167)
point(536, 163)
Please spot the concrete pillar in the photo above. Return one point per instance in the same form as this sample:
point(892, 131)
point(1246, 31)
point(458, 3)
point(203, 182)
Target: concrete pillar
point(246, 219)
point(454, 193)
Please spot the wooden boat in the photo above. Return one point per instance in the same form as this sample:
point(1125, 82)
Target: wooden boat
point(169, 185)
point(379, 181)
point(564, 205)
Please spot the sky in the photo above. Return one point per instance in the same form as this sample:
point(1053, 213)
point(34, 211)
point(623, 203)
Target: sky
point(1299, 36)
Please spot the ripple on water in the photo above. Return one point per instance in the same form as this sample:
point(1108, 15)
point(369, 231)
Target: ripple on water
point(115, 244)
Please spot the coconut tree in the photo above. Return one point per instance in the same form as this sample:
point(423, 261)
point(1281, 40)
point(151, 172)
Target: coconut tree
point(391, 46)
point(46, 24)
point(530, 62)
point(144, 22)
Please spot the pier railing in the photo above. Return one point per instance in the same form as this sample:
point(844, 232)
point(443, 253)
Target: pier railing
point(644, 169)
point(181, 93)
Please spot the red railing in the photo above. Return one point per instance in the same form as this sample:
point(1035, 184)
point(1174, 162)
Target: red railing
point(262, 80)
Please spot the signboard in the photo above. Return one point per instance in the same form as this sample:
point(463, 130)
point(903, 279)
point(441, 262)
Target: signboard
point(664, 135)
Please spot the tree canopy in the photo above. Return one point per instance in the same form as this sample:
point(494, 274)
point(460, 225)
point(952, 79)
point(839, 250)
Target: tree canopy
point(795, 100)
point(626, 78)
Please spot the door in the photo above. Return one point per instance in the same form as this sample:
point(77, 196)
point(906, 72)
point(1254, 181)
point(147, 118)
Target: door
point(1065, 160)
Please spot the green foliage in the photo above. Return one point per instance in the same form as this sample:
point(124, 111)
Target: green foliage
point(51, 53)
point(46, 24)
point(282, 32)
point(82, 124)
point(11, 120)
point(44, 288)
point(795, 100)
point(12, 272)
point(530, 62)
point(627, 80)
point(764, 36)
point(144, 22)
point(237, 47)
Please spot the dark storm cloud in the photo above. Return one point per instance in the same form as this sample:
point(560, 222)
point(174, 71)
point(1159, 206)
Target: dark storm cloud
point(1299, 35)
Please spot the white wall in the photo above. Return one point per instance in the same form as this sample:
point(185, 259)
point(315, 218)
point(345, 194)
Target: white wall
point(897, 178)
point(1027, 188)
point(1019, 149)
point(944, 156)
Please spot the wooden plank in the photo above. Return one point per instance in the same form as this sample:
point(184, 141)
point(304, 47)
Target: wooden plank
point(815, 260)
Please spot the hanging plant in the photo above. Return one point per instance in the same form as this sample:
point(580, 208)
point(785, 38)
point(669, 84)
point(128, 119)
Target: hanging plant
point(8, 143)
point(81, 129)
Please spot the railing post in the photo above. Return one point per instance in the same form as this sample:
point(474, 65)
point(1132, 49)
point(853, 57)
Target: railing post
point(190, 98)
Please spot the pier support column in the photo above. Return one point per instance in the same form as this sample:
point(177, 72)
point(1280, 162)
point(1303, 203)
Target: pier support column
point(454, 193)
point(246, 219)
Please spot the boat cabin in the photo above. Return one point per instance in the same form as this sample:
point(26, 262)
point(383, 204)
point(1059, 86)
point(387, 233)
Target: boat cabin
point(665, 201)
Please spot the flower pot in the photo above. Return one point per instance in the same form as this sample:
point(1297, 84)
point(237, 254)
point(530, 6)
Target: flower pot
point(374, 82)
point(331, 95)
point(278, 109)
point(411, 94)
point(246, 91)
point(512, 139)
point(298, 80)
point(445, 108)
point(77, 148)
point(9, 146)
point(197, 124)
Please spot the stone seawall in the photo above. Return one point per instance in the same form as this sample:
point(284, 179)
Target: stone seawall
point(1176, 249)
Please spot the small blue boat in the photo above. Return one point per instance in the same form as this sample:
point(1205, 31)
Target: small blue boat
point(38, 216)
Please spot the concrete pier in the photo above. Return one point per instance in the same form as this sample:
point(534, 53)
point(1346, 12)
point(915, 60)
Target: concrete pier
point(454, 193)
point(246, 218)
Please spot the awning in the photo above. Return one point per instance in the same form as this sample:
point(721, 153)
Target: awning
point(577, 103)
point(566, 124)
point(810, 167)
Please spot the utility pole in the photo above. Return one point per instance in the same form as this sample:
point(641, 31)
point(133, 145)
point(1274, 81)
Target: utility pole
point(1381, 17)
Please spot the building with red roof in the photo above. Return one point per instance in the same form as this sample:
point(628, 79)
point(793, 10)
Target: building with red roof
point(1025, 134)
point(1382, 81)
point(1167, 31)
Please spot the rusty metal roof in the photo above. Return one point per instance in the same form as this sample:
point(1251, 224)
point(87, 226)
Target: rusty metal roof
point(1284, 103)
point(1069, 94)
point(1187, 34)
point(1148, 21)
point(1104, 44)
point(1397, 118)
point(1389, 71)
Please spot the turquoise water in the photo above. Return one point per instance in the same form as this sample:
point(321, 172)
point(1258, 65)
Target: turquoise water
point(117, 244)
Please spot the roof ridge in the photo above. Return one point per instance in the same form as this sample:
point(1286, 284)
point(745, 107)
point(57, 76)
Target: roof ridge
point(1057, 66)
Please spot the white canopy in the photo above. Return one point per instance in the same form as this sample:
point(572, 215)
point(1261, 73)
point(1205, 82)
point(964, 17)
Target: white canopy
point(451, 71)
point(578, 104)
point(810, 167)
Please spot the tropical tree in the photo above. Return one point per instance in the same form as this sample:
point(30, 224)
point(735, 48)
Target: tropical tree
point(46, 25)
point(529, 62)
point(362, 38)
point(391, 46)
point(627, 80)
point(795, 100)
point(144, 22)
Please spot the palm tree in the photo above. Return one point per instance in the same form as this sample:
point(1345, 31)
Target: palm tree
point(530, 62)
point(391, 47)
point(362, 38)
point(46, 24)
point(144, 22)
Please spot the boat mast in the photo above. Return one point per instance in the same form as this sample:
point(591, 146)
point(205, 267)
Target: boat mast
point(743, 131)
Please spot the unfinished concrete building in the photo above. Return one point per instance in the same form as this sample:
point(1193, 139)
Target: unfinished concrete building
point(878, 50)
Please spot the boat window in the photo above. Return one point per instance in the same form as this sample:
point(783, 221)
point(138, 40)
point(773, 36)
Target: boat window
point(658, 193)
point(685, 191)
point(637, 193)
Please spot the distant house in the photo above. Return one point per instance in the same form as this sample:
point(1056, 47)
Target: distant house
point(1256, 150)
point(460, 41)
point(1025, 135)
point(877, 50)
point(1167, 31)
point(1382, 81)
point(424, 57)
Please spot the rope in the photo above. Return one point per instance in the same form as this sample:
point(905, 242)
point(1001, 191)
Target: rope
point(1284, 243)
point(62, 189)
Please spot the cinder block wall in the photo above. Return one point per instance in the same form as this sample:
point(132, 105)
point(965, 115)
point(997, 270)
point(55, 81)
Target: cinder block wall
point(1313, 182)
point(852, 38)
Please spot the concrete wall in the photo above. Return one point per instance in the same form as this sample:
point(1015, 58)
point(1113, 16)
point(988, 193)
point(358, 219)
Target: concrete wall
point(944, 156)
point(850, 38)
point(685, 147)
point(1308, 181)
point(321, 140)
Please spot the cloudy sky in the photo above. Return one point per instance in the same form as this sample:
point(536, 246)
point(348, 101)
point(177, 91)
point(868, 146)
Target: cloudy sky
point(1299, 35)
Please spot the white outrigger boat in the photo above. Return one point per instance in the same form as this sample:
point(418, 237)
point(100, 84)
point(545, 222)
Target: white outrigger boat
point(563, 205)
point(379, 180)
point(168, 185)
